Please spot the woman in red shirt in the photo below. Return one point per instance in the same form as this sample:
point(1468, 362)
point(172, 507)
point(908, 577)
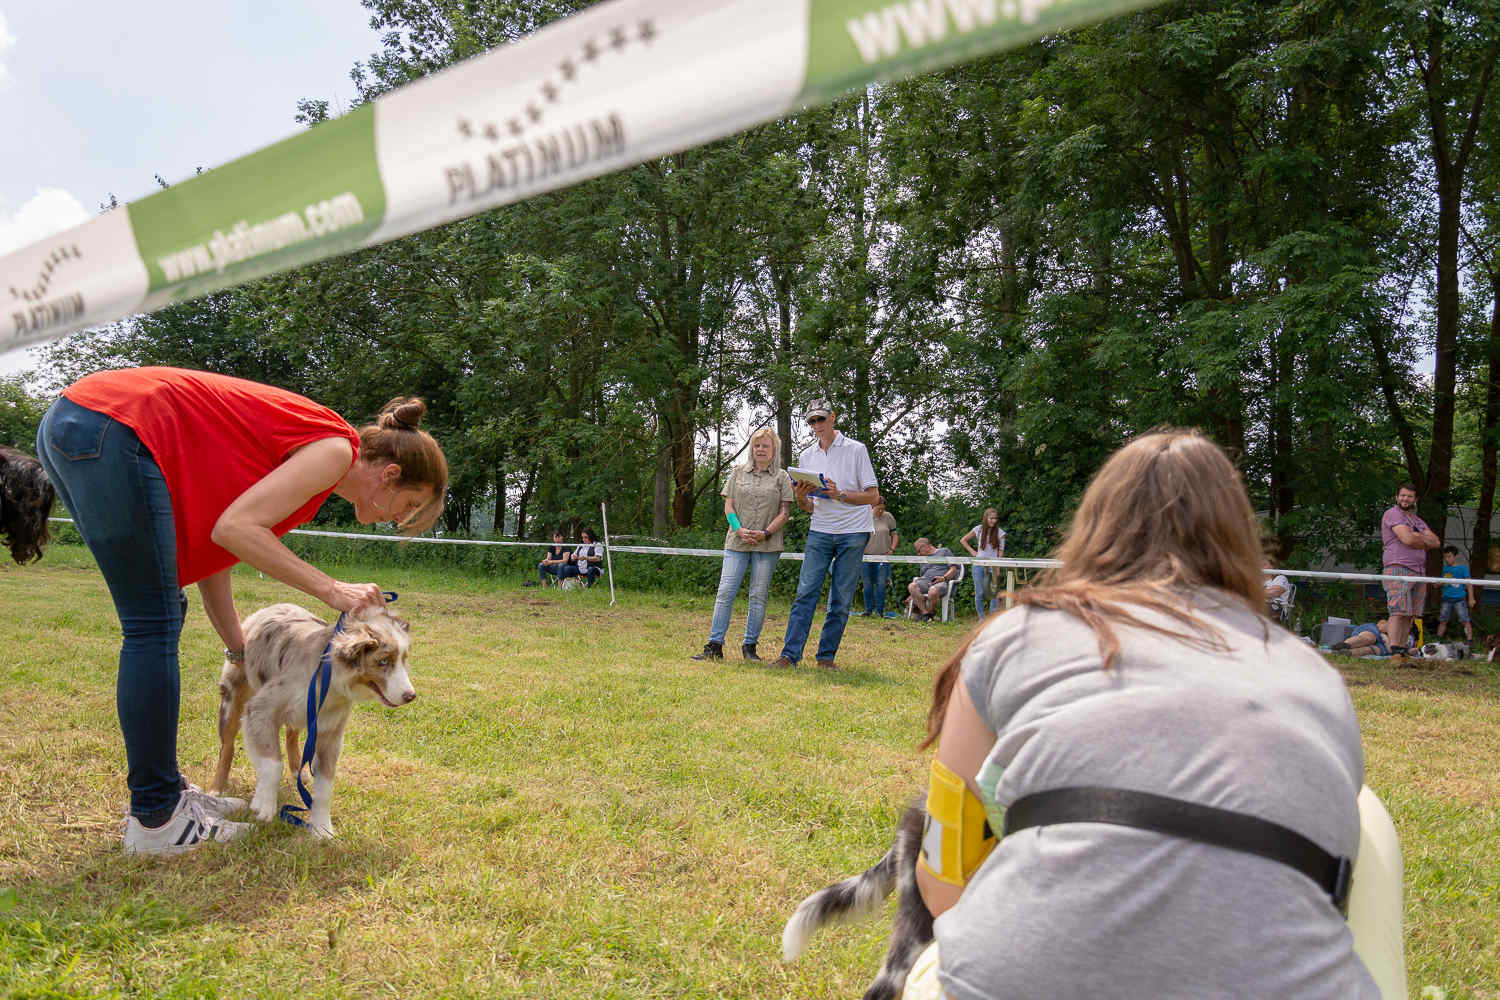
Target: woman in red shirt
point(172, 477)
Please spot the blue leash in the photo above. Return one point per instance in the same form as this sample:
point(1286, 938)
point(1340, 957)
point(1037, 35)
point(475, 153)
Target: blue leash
point(317, 691)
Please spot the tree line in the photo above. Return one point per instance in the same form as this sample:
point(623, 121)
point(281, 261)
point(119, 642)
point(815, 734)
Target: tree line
point(1271, 220)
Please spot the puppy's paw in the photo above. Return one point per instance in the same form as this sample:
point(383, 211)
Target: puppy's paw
point(263, 808)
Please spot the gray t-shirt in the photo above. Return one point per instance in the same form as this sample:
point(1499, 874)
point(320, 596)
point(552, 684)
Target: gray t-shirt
point(931, 571)
point(1092, 910)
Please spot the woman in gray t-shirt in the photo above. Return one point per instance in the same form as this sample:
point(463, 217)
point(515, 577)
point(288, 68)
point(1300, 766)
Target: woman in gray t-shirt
point(1146, 663)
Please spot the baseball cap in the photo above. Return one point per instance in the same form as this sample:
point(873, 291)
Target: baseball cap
point(818, 408)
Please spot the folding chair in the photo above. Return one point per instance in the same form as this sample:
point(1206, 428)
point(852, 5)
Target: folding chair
point(1284, 606)
point(948, 594)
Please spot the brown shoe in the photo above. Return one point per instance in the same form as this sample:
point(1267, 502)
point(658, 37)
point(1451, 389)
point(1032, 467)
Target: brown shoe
point(783, 662)
point(828, 665)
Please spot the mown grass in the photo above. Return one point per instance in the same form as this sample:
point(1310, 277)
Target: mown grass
point(572, 808)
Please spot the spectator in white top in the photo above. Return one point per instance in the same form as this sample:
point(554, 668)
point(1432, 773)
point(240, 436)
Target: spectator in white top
point(587, 560)
point(836, 538)
point(991, 539)
point(1278, 591)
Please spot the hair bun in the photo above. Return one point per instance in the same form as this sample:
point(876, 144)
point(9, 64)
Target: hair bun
point(403, 413)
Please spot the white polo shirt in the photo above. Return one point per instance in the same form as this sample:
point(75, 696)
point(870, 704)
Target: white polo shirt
point(847, 463)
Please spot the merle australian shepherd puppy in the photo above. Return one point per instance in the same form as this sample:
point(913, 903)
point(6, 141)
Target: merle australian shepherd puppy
point(861, 895)
point(26, 498)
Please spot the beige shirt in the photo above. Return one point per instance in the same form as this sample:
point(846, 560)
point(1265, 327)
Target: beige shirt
point(880, 538)
point(757, 499)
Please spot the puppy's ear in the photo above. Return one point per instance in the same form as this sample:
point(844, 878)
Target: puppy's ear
point(354, 642)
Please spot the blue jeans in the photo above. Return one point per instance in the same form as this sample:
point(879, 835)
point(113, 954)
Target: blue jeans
point(120, 505)
point(761, 565)
point(544, 570)
point(569, 570)
point(824, 553)
point(979, 582)
point(876, 579)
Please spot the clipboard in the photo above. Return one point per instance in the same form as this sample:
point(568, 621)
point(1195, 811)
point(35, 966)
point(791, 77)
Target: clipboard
point(814, 479)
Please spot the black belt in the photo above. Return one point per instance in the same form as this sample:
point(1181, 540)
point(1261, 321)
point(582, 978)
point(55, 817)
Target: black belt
point(1206, 824)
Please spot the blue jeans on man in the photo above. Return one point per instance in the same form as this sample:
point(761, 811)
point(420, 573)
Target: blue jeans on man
point(824, 554)
point(876, 580)
point(120, 505)
point(761, 565)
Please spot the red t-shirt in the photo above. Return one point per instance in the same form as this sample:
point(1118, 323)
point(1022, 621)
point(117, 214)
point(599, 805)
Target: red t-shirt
point(213, 437)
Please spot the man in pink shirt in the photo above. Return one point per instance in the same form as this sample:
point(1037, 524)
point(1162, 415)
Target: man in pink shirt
point(1406, 539)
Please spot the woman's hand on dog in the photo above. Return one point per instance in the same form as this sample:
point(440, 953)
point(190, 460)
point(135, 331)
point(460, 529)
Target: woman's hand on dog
point(352, 596)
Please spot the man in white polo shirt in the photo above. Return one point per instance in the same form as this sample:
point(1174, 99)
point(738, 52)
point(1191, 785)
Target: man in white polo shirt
point(841, 525)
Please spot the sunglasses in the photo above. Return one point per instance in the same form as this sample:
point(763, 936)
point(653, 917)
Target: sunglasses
point(815, 421)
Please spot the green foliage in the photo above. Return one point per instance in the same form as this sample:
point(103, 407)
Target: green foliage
point(1212, 213)
point(20, 413)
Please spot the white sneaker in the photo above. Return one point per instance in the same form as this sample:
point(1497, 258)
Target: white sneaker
point(216, 805)
point(190, 827)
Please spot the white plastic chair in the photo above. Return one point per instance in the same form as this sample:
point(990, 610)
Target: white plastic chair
point(1285, 604)
point(948, 594)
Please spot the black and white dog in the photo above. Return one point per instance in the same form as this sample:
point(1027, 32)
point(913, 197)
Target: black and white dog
point(1447, 651)
point(857, 897)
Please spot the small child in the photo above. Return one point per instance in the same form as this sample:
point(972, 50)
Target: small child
point(1457, 598)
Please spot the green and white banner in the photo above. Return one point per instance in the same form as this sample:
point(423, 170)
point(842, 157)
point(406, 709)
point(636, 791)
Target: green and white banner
point(611, 87)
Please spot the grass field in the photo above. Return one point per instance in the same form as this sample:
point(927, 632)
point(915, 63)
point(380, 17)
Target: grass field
point(572, 808)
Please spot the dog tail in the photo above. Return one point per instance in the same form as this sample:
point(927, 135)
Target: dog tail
point(852, 899)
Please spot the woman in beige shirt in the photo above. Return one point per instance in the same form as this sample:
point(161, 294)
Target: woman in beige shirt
point(757, 504)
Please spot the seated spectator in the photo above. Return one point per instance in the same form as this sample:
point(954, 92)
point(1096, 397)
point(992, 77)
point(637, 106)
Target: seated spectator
point(1142, 668)
point(550, 568)
point(928, 588)
point(1369, 639)
point(586, 561)
point(1278, 592)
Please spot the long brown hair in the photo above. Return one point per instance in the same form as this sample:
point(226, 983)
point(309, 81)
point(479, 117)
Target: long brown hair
point(989, 534)
point(396, 436)
point(1166, 513)
point(26, 499)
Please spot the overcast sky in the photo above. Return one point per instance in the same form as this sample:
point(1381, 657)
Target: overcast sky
point(97, 96)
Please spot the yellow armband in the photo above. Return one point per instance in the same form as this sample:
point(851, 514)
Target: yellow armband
point(956, 837)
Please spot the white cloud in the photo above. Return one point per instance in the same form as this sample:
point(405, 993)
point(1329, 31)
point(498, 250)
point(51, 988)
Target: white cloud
point(49, 211)
point(7, 40)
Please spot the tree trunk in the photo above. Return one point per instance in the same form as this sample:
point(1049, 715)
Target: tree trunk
point(526, 488)
point(684, 460)
point(782, 391)
point(661, 496)
point(1479, 551)
point(1451, 148)
point(1445, 366)
point(1283, 495)
point(500, 496)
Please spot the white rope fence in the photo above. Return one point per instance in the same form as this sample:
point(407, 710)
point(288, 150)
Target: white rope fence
point(1010, 565)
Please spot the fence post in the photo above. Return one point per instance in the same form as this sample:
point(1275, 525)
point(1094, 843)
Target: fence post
point(1010, 588)
point(609, 565)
